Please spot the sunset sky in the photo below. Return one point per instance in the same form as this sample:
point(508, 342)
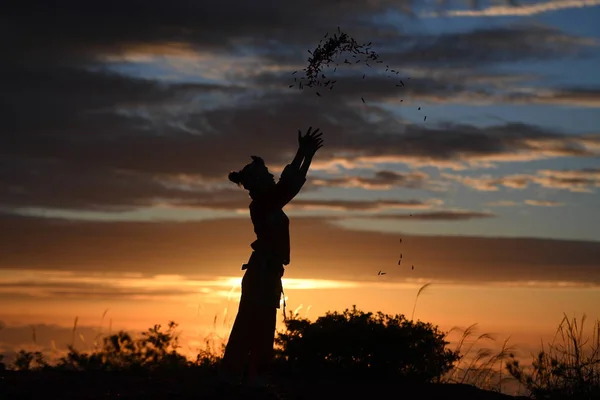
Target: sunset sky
point(121, 121)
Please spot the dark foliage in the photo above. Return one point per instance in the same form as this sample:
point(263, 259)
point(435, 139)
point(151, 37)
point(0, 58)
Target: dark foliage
point(365, 345)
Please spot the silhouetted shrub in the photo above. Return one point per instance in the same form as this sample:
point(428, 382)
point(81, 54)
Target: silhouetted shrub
point(27, 360)
point(154, 350)
point(567, 369)
point(355, 343)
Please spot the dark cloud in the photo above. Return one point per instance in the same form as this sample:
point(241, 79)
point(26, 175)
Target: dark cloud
point(573, 96)
point(359, 205)
point(90, 291)
point(573, 180)
point(451, 85)
point(449, 215)
point(380, 180)
point(517, 42)
point(76, 135)
point(97, 170)
point(321, 250)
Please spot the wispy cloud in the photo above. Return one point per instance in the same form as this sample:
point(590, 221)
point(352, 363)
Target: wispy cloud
point(581, 180)
point(544, 203)
point(442, 215)
point(501, 203)
point(521, 10)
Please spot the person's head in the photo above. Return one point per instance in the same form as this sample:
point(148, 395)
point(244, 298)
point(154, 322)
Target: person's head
point(254, 177)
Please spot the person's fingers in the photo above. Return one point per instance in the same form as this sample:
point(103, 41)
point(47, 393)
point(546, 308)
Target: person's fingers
point(312, 133)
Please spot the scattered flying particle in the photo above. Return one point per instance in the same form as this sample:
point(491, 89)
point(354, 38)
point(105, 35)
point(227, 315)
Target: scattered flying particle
point(381, 273)
point(412, 267)
point(425, 118)
point(364, 76)
point(419, 108)
point(318, 94)
point(291, 86)
point(293, 73)
point(363, 100)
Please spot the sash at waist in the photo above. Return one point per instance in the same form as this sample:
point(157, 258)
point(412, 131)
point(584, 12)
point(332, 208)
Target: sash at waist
point(258, 259)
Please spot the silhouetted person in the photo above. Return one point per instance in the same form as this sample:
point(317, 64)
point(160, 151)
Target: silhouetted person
point(253, 332)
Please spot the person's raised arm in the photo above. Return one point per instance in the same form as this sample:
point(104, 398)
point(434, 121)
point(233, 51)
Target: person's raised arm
point(293, 176)
point(309, 144)
point(304, 144)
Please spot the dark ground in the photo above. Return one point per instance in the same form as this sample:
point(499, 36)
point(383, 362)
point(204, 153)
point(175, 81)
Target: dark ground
point(55, 385)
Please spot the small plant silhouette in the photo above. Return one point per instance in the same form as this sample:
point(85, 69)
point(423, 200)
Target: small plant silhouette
point(566, 368)
point(156, 349)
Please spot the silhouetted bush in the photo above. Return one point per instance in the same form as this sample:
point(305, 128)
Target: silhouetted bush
point(365, 345)
point(27, 360)
point(2, 365)
point(154, 350)
point(567, 369)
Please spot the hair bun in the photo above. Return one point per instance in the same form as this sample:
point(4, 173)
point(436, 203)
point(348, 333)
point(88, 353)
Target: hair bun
point(235, 177)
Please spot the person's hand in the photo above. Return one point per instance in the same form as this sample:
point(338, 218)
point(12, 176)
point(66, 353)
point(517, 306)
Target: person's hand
point(311, 142)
